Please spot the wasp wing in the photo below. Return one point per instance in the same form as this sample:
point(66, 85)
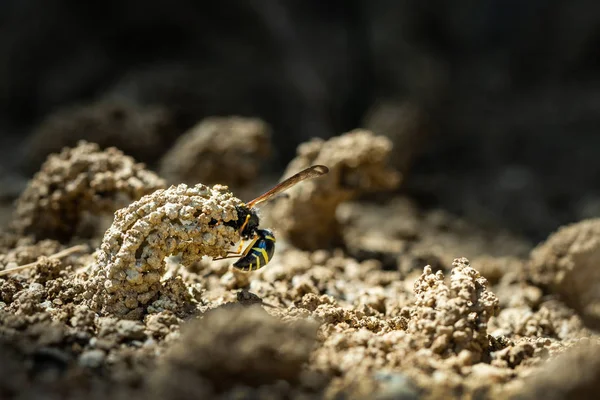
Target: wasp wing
point(308, 173)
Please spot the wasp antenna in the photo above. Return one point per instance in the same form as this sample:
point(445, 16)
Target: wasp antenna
point(321, 169)
point(308, 173)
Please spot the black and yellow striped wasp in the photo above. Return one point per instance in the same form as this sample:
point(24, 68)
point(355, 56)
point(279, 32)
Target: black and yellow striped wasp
point(262, 241)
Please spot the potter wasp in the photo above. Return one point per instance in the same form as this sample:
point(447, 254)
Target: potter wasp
point(262, 241)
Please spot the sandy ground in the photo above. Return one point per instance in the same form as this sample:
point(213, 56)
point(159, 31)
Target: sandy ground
point(366, 296)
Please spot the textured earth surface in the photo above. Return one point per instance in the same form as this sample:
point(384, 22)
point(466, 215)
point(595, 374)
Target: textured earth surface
point(452, 251)
point(405, 303)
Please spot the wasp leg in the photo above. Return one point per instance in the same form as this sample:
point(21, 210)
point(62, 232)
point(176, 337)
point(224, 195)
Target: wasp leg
point(226, 257)
point(239, 252)
point(245, 223)
point(233, 254)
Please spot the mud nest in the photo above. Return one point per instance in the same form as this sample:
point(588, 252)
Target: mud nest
point(225, 150)
point(77, 181)
point(189, 222)
point(357, 163)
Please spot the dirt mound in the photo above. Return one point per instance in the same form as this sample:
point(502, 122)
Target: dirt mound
point(225, 151)
point(235, 346)
point(357, 163)
point(79, 181)
point(567, 264)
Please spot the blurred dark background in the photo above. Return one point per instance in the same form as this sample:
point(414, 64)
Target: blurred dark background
point(496, 103)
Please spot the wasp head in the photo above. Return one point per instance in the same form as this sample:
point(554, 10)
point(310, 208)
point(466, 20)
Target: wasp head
point(247, 221)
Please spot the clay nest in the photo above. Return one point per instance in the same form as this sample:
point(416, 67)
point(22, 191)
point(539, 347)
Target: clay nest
point(141, 131)
point(357, 163)
point(188, 222)
point(79, 181)
point(224, 150)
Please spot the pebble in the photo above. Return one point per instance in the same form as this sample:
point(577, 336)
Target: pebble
point(132, 330)
point(92, 358)
point(396, 386)
point(486, 372)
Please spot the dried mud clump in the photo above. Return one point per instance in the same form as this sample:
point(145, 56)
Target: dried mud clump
point(357, 163)
point(79, 180)
point(567, 264)
point(452, 319)
point(19, 251)
point(136, 130)
point(189, 222)
point(234, 347)
point(437, 340)
point(219, 150)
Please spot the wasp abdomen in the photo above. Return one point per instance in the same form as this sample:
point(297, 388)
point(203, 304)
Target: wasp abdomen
point(260, 254)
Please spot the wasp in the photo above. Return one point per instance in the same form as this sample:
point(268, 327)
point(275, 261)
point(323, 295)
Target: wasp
point(260, 250)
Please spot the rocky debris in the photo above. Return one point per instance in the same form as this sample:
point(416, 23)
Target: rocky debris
point(444, 331)
point(41, 358)
point(218, 150)
point(453, 319)
point(78, 181)
point(24, 250)
point(373, 336)
point(550, 319)
point(357, 163)
point(567, 264)
point(47, 286)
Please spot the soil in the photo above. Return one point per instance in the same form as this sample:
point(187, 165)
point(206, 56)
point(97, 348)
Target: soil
point(405, 303)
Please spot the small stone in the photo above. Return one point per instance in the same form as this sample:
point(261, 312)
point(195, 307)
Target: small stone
point(92, 358)
point(490, 373)
point(132, 330)
point(396, 386)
